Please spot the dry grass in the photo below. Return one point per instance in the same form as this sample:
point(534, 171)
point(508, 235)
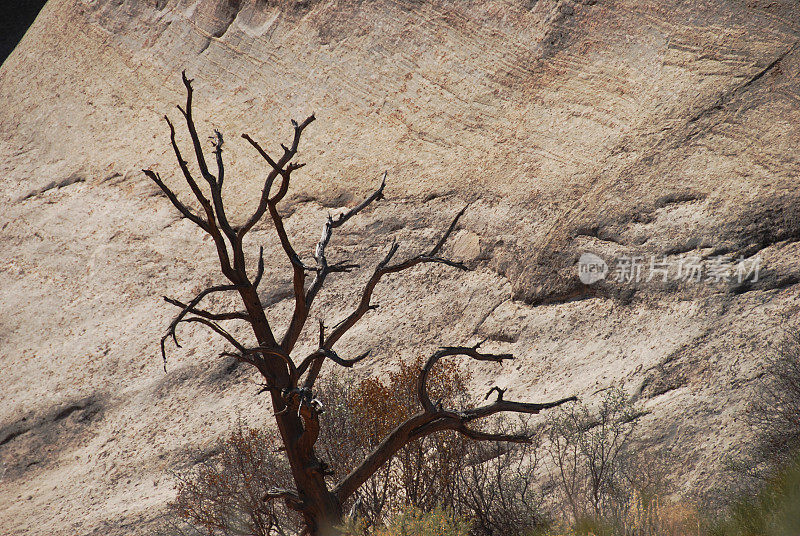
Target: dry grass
point(645, 516)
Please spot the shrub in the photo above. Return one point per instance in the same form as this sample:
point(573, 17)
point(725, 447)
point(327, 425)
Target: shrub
point(654, 516)
point(773, 512)
point(412, 522)
point(774, 412)
point(223, 495)
point(489, 484)
point(589, 454)
point(773, 415)
point(415, 522)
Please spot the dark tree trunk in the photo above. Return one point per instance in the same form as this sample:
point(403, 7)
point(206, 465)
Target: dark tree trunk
point(290, 383)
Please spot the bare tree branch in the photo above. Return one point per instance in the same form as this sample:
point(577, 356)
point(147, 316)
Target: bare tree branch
point(187, 114)
point(183, 165)
point(211, 217)
point(422, 388)
point(216, 196)
point(217, 143)
point(434, 419)
point(284, 168)
point(183, 209)
point(236, 315)
point(277, 169)
point(186, 310)
point(218, 329)
point(260, 269)
point(215, 183)
point(315, 360)
point(347, 363)
point(303, 306)
point(383, 268)
point(298, 278)
point(327, 231)
point(516, 407)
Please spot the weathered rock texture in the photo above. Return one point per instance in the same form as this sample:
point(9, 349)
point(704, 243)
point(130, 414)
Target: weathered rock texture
point(617, 126)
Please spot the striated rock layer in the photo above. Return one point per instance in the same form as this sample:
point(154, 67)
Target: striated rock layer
point(622, 128)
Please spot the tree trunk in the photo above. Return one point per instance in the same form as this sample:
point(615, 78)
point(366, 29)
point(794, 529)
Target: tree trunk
point(321, 510)
point(296, 410)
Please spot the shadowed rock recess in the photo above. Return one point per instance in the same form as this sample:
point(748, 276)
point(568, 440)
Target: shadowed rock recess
point(621, 128)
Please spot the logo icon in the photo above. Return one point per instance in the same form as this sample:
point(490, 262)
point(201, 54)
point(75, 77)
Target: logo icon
point(591, 268)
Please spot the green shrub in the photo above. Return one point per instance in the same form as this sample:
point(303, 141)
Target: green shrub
point(773, 512)
point(437, 522)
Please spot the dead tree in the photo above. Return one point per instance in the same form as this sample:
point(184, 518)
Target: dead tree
point(290, 381)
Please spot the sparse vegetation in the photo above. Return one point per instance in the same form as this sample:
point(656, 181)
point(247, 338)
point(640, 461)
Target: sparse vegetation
point(487, 484)
point(602, 485)
point(589, 456)
point(436, 522)
point(775, 410)
point(774, 511)
point(224, 495)
point(289, 380)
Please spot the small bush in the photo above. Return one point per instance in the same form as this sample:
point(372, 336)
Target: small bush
point(775, 511)
point(589, 456)
point(415, 522)
point(775, 410)
point(604, 486)
point(412, 522)
point(223, 495)
point(773, 416)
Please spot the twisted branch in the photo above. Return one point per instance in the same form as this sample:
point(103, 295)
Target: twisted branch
point(303, 306)
point(433, 418)
point(186, 310)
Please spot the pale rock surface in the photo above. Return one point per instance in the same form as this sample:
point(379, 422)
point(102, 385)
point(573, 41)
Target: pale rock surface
point(620, 127)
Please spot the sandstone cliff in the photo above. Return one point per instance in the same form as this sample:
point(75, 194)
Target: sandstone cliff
point(619, 127)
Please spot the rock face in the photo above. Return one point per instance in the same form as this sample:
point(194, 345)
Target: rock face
point(623, 128)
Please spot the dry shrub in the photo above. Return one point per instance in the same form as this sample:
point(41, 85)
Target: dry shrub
point(656, 516)
point(487, 484)
point(775, 410)
point(588, 451)
point(223, 495)
point(603, 485)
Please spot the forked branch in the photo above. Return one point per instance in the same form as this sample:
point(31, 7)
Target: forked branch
point(434, 418)
point(385, 267)
point(471, 351)
point(313, 363)
point(186, 309)
point(323, 269)
point(278, 168)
